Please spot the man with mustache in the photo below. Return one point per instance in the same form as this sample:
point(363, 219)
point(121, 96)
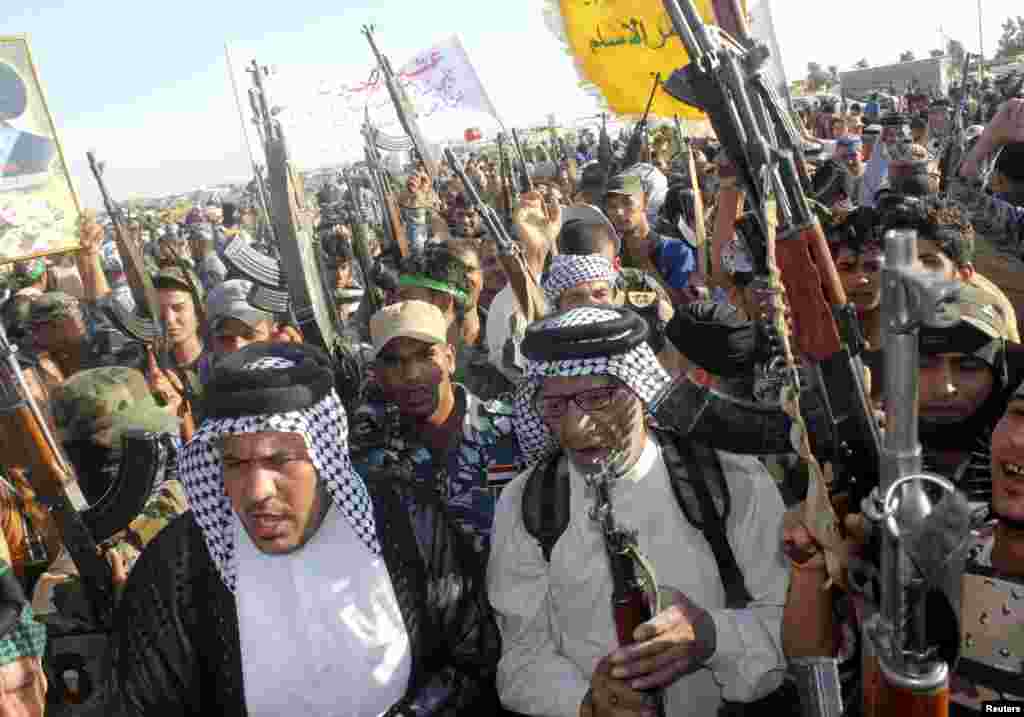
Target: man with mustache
point(293, 586)
point(590, 382)
point(427, 426)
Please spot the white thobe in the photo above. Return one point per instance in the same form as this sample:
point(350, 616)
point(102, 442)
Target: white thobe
point(556, 619)
point(320, 630)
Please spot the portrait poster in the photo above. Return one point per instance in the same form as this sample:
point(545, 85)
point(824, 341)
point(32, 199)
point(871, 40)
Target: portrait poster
point(38, 205)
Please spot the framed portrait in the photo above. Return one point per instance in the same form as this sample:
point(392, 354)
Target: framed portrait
point(38, 204)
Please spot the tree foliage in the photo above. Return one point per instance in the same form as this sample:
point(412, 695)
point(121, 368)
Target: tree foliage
point(817, 77)
point(863, 64)
point(1012, 41)
point(937, 53)
point(907, 56)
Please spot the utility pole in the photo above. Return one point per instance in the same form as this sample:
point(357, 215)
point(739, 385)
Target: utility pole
point(981, 48)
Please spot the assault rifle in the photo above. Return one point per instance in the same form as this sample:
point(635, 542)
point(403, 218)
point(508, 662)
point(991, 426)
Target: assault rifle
point(509, 190)
point(957, 147)
point(140, 282)
point(391, 216)
point(525, 182)
point(528, 292)
point(604, 148)
point(638, 140)
point(725, 78)
point(403, 108)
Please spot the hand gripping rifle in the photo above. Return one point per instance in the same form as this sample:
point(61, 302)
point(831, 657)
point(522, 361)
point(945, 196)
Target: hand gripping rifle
point(528, 292)
point(26, 434)
point(913, 639)
point(725, 79)
point(638, 140)
point(634, 588)
point(957, 146)
point(509, 190)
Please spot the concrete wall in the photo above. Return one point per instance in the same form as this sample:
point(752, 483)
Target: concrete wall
point(930, 73)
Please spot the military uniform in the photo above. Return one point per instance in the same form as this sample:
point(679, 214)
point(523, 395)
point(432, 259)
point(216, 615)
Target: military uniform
point(97, 406)
point(103, 343)
point(486, 456)
point(643, 293)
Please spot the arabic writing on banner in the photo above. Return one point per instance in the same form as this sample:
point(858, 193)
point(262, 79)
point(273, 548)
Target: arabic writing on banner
point(440, 82)
point(618, 47)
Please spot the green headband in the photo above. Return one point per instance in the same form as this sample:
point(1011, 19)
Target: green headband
point(425, 282)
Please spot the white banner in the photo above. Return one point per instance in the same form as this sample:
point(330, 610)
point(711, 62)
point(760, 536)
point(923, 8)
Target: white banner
point(322, 109)
point(762, 28)
point(441, 79)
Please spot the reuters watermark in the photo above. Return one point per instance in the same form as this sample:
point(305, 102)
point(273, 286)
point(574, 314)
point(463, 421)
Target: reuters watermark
point(1004, 707)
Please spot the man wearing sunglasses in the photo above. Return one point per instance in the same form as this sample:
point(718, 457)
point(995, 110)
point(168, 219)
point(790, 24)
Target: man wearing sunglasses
point(590, 381)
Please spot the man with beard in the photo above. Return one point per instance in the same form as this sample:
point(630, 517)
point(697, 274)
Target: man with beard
point(292, 584)
point(895, 130)
point(966, 372)
point(670, 260)
point(583, 410)
point(429, 428)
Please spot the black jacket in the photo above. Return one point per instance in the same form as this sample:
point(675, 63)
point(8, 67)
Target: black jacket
point(176, 644)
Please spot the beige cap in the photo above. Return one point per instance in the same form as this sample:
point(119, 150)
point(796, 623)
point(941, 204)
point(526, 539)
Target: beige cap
point(413, 319)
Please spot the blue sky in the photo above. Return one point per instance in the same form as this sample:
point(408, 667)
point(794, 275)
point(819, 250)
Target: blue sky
point(145, 84)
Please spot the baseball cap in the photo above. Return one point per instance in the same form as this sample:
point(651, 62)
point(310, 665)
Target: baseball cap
point(580, 216)
point(230, 300)
point(593, 177)
point(99, 404)
point(412, 319)
point(981, 323)
point(628, 184)
point(172, 277)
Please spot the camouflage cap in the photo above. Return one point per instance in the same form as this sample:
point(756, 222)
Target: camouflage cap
point(52, 306)
point(628, 184)
point(172, 277)
point(99, 404)
point(981, 327)
point(981, 310)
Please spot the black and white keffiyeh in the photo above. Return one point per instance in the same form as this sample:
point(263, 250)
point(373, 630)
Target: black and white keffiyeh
point(570, 270)
point(323, 426)
point(638, 368)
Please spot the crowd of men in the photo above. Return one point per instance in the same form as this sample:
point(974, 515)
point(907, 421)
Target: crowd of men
point(425, 542)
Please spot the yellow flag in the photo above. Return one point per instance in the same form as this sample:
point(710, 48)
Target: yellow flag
point(619, 46)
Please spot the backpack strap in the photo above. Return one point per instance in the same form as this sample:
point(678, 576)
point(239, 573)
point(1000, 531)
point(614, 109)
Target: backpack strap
point(699, 485)
point(546, 497)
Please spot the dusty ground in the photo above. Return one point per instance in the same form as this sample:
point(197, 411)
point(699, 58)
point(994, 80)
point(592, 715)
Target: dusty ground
point(1003, 269)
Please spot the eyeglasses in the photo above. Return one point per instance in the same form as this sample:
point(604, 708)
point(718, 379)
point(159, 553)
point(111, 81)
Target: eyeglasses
point(596, 399)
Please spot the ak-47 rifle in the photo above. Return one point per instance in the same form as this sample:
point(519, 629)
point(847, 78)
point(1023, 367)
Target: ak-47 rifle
point(527, 290)
point(403, 107)
point(392, 217)
point(525, 181)
point(604, 148)
point(27, 434)
point(150, 330)
point(311, 305)
point(910, 644)
point(634, 589)
point(638, 139)
point(699, 229)
point(509, 190)
point(957, 147)
point(140, 282)
point(725, 78)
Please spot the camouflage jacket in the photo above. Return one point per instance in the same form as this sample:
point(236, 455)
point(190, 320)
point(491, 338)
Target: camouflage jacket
point(468, 479)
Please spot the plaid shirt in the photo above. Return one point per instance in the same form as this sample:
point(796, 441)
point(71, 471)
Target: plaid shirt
point(469, 477)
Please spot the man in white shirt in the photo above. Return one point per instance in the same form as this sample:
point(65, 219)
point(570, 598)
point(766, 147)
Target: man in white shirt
point(589, 382)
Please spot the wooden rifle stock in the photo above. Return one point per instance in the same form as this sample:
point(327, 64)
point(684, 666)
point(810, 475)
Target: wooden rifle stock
point(881, 698)
point(25, 435)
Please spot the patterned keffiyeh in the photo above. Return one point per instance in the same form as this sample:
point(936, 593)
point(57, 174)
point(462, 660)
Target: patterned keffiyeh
point(638, 368)
point(570, 270)
point(323, 426)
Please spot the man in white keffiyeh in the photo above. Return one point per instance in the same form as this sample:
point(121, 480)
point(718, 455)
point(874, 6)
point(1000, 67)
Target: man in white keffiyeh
point(590, 381)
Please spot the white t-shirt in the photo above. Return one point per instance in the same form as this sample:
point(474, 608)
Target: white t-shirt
point(320, 629)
